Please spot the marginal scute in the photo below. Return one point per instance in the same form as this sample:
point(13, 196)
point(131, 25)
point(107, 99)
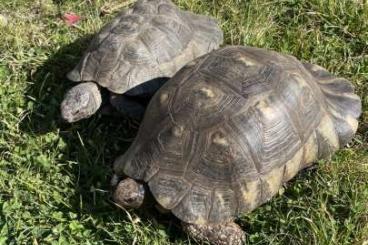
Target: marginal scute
point(248, 194)
point(342, 105)
point(195, 206)
point(293, 166)
point(168, 190)
point(141, 165)
point(223, 206)
point(327, 138)
point(272, 182)
point(310, 149)
point(345, 128)
point(341, 102)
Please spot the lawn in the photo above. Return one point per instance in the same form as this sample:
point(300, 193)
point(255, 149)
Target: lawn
point(54, 177)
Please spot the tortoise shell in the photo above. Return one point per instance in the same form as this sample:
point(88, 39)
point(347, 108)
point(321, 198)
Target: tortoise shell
point(223, 135)
point(152, 39)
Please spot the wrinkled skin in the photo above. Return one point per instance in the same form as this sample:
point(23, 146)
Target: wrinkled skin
point(129, 193)
point(217, 234)
point(80, 102)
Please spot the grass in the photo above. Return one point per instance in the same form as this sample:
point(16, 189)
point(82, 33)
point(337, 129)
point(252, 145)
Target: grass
point(54, 178)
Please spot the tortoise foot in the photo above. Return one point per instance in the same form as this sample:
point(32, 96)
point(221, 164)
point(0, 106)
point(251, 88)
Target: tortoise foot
point(217, 234)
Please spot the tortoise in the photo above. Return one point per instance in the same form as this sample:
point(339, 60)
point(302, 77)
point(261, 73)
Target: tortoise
point(149, 41)
point(222, 136)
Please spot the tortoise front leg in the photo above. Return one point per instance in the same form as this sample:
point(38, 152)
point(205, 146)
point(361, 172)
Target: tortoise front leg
point(217, 234)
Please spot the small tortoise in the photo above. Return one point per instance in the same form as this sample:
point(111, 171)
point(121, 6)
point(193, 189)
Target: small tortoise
point(151, 40)
point(222, 136)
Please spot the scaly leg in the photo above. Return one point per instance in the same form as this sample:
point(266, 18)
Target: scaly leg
point(217, 234)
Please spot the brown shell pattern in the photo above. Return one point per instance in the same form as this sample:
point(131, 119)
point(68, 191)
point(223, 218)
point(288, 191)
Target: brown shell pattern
point(230, 128)
point(150, 40)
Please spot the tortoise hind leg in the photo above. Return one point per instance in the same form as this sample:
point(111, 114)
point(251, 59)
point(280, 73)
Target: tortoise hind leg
point(217, 234)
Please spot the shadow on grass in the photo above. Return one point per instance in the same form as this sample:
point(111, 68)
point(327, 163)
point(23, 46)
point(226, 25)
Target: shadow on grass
point(91, 144)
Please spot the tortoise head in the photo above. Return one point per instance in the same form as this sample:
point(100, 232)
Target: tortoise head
point(80, 102)
point(129, 193)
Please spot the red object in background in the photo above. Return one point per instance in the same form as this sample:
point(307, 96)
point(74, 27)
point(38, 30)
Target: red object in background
point(71, 18)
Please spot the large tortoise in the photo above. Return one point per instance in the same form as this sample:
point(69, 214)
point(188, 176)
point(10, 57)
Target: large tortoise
point(223, 135)
point(151, 40)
